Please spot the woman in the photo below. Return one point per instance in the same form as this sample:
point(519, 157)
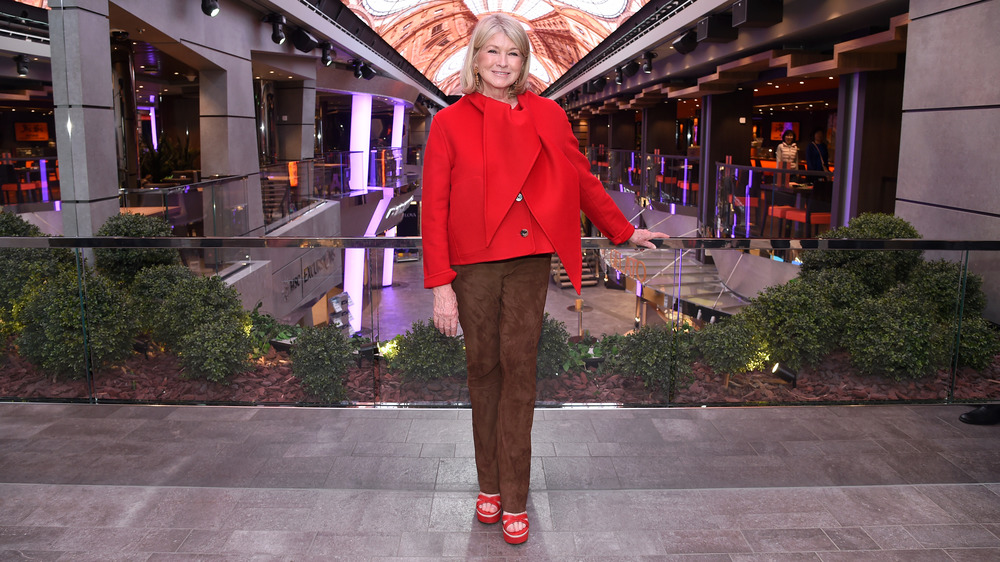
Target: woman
point(788, 151)
point(503, 185)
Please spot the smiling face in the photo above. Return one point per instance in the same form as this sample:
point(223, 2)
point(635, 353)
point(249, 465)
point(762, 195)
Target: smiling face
point(499, 62)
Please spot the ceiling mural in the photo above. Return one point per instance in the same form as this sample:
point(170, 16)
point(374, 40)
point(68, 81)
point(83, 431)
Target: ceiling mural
point(35, 3)
point(433, 35)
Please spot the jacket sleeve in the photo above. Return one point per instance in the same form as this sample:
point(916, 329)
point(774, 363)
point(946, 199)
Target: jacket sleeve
point(594, 200)
point(435, 203)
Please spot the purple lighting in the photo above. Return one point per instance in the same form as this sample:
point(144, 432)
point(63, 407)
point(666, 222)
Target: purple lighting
point(354, 258)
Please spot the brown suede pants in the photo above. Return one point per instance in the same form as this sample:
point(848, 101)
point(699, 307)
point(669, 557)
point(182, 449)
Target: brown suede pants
point(501, 306)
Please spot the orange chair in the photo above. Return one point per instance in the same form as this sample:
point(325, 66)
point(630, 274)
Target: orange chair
point(809, 219)
point(10, 193)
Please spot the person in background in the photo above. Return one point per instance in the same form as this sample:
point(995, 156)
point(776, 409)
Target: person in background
point(817, 153)
point(504, 182)
point(787, 153)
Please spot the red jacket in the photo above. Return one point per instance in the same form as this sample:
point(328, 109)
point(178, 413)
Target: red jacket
point(500, 183)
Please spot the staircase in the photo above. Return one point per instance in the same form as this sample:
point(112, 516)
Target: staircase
point(591, 273)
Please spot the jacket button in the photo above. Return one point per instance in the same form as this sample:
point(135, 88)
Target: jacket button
point(519, 197)
point(524, 233)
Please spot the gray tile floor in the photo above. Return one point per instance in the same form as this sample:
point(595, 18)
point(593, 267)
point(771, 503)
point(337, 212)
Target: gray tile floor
point(117, 482)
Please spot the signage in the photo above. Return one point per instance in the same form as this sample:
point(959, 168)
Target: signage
point(31, 132)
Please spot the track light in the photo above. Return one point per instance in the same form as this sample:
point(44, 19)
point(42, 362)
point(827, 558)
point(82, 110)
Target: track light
point(618, 75)
point(328, 54)
point(210, 7)
point(362, 69)
point(22, 65)
point(630, 69)
point(647, 61)
point(600, 83)
point(277, 21)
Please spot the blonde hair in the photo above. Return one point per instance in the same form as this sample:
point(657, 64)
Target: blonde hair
point(486, 28)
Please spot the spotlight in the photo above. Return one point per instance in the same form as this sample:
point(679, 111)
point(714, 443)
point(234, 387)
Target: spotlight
point(630, 68)
point(210, 7)
point(600, 83)
point(647, 61)
point(22, 65)
point(276, 21)
point(303, 41)
point(367, 72)
point(328, 54)
point(356, 67)
point(785, 373)
point(618, 75)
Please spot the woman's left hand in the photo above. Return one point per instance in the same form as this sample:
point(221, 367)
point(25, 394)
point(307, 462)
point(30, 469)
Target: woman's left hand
point(641, 237)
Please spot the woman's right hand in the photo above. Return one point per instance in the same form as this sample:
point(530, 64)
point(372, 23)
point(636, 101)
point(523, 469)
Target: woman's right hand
point(446, 310)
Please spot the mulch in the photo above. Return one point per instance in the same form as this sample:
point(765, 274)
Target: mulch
point(159, 378)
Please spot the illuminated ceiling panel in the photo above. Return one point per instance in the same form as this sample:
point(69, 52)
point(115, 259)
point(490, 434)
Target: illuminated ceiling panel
point(433, 35)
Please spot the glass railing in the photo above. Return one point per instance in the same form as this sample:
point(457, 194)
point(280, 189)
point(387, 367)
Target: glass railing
point(671, 180)
point(860, 321)
point(598, 158)
point(28, 180)
point(771, 202)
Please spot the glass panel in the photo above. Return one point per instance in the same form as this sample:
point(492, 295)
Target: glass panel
point(40, 324)
point(655, 328)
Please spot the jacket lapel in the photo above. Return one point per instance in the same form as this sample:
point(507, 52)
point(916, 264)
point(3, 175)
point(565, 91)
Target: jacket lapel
point(511, 146)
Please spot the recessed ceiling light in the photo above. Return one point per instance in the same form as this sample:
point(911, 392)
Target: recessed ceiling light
point(755, 89)
point(801, 82)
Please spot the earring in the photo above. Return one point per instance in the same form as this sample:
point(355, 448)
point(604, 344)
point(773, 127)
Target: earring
point(475, 71)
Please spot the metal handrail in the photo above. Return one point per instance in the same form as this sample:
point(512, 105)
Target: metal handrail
point(680, 243)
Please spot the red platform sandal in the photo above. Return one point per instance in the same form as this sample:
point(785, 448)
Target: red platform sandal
point(486, 516)
point(515, 537)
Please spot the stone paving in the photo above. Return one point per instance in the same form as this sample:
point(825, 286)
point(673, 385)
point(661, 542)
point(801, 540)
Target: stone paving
point(122, 482)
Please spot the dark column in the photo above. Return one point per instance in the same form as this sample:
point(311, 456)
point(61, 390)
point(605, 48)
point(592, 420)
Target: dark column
point(660, 122)
point(722, 134)
point(623, 130)
point(600, 130)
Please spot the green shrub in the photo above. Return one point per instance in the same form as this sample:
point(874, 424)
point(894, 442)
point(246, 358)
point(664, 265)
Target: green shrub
point(424, 353)
point(123, 264)
point(264, 328)
point(22, 268)
point(938, 284)
point(553, 347)
point(795, 323)
point(320, 359)
point(214, 351)
point(151, 288)
point(979, 344)
point(732, 346)
point(880, 270)
point(52, 337)
point(210, 308)
point(897, 336)
point(660, 356)
point(195, 301)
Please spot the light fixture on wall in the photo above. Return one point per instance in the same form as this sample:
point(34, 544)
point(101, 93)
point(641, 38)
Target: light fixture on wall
point(599, 83)
point(618, 75)
point(647, 61)
point(631, 68)
point(362, 69)
point(22, 65)
point(328, 53)
point(210, 7)
point(277, 21)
